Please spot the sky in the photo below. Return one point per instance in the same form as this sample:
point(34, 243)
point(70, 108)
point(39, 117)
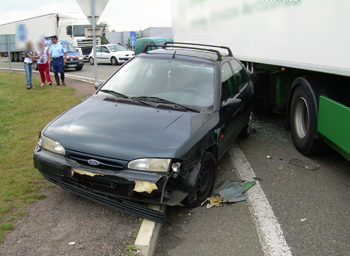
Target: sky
point(121, 15)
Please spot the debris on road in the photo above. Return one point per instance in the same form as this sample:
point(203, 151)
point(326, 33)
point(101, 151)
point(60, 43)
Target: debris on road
point(302, 220)
point(71, 243)
point(304, 164)
point(269, 157)
point(228, 192)
point(258, 178)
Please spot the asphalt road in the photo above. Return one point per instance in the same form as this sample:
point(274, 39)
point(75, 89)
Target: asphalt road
point(311, 207)
point(103, 70)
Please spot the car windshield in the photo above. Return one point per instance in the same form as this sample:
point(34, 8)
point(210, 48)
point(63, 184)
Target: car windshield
point(70, 48)
point(115, 48)
point(179, 81)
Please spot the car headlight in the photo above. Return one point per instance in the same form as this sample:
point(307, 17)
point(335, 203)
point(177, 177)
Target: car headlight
point(150, 164)
point(51, 145)
point(81, 57)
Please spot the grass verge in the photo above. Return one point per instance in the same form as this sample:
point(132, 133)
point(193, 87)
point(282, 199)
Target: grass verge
point(23, 114)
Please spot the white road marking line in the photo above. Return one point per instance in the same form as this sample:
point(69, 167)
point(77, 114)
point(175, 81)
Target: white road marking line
point(271, 236)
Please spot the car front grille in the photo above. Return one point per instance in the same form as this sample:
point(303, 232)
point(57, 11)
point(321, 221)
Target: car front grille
point(103, 162)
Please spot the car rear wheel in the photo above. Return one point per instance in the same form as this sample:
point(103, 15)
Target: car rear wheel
point(204, 182)
point(91, 60)
point(114, 61)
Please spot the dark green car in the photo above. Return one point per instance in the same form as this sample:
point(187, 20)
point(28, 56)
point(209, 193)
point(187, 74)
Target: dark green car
point(153, 132)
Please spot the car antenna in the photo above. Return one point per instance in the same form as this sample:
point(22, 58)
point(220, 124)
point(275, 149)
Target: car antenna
point(174, 55)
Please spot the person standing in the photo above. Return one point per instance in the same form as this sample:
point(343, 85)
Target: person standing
point(43, 64)
point(58, 55)
point(28, 64)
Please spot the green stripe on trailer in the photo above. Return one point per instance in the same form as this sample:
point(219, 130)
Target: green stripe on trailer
point(334, 125)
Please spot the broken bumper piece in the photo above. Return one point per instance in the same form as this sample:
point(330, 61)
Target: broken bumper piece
point(113, 202)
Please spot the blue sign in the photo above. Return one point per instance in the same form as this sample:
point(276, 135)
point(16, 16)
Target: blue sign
point(21, 32)
point(132, 42)
point(132, 35)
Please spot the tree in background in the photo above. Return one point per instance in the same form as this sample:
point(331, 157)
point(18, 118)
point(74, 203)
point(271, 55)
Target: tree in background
point(105, 27)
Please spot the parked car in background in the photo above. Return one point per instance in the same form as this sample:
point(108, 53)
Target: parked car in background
point(153, 132)
point(111, 53)
point(142, 42)
point(74, 58)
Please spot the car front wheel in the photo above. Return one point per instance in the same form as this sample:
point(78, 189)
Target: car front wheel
point(91, 60)
point(204, 182)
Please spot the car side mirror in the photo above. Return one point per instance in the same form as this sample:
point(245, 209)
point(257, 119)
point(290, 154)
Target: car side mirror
point(232, 103)
point(98, 85)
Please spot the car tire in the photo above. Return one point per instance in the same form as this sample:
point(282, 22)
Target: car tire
point(302, 124)
point(114, 61)
point(204, 182)
point(91, 61)
point(78, 68)
point(247, 128)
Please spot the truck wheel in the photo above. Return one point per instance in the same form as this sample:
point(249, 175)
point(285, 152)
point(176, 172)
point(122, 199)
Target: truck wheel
point(204, 183)
point(20, 57)
point(247, 128)
point(303, 126)
point(114, 61)
point(15, 57)
point(12, 56)
point(91, 60)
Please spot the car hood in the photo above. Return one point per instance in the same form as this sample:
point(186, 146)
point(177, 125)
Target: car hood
point(124, 131)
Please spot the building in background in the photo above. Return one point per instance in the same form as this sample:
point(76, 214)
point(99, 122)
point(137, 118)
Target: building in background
point(123, 37)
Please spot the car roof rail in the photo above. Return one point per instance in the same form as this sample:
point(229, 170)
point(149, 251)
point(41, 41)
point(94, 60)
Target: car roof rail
point(182, 47)
point(209, 45)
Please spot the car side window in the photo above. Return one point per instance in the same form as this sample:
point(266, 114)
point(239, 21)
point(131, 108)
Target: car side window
point(240, 74)
point(228, 85)
point(104, 49)
point(98, 49)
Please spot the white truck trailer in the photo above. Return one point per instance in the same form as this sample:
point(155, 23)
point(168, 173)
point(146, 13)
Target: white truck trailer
point(65, 26)
point(298, 50)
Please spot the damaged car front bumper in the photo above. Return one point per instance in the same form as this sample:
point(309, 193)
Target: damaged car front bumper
point(112, 183)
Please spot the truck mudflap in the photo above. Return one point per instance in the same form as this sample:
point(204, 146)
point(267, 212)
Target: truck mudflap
point(132, 208)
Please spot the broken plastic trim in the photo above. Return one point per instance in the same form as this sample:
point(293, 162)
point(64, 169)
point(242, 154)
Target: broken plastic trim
point(135, 209)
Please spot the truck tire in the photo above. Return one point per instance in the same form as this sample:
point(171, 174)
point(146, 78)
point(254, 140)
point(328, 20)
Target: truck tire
point(15, 56)
point(302, 124)
point(12, 56)
point(20, 57)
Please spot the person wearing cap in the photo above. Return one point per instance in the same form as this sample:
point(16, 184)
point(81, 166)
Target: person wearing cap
point(28, 63)
point(58, 56)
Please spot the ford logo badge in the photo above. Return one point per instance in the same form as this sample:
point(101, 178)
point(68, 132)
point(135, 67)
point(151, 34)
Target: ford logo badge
point(93, 162)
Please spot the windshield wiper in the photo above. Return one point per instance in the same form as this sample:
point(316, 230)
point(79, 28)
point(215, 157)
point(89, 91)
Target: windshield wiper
point(160, 100)
point(118, 94)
